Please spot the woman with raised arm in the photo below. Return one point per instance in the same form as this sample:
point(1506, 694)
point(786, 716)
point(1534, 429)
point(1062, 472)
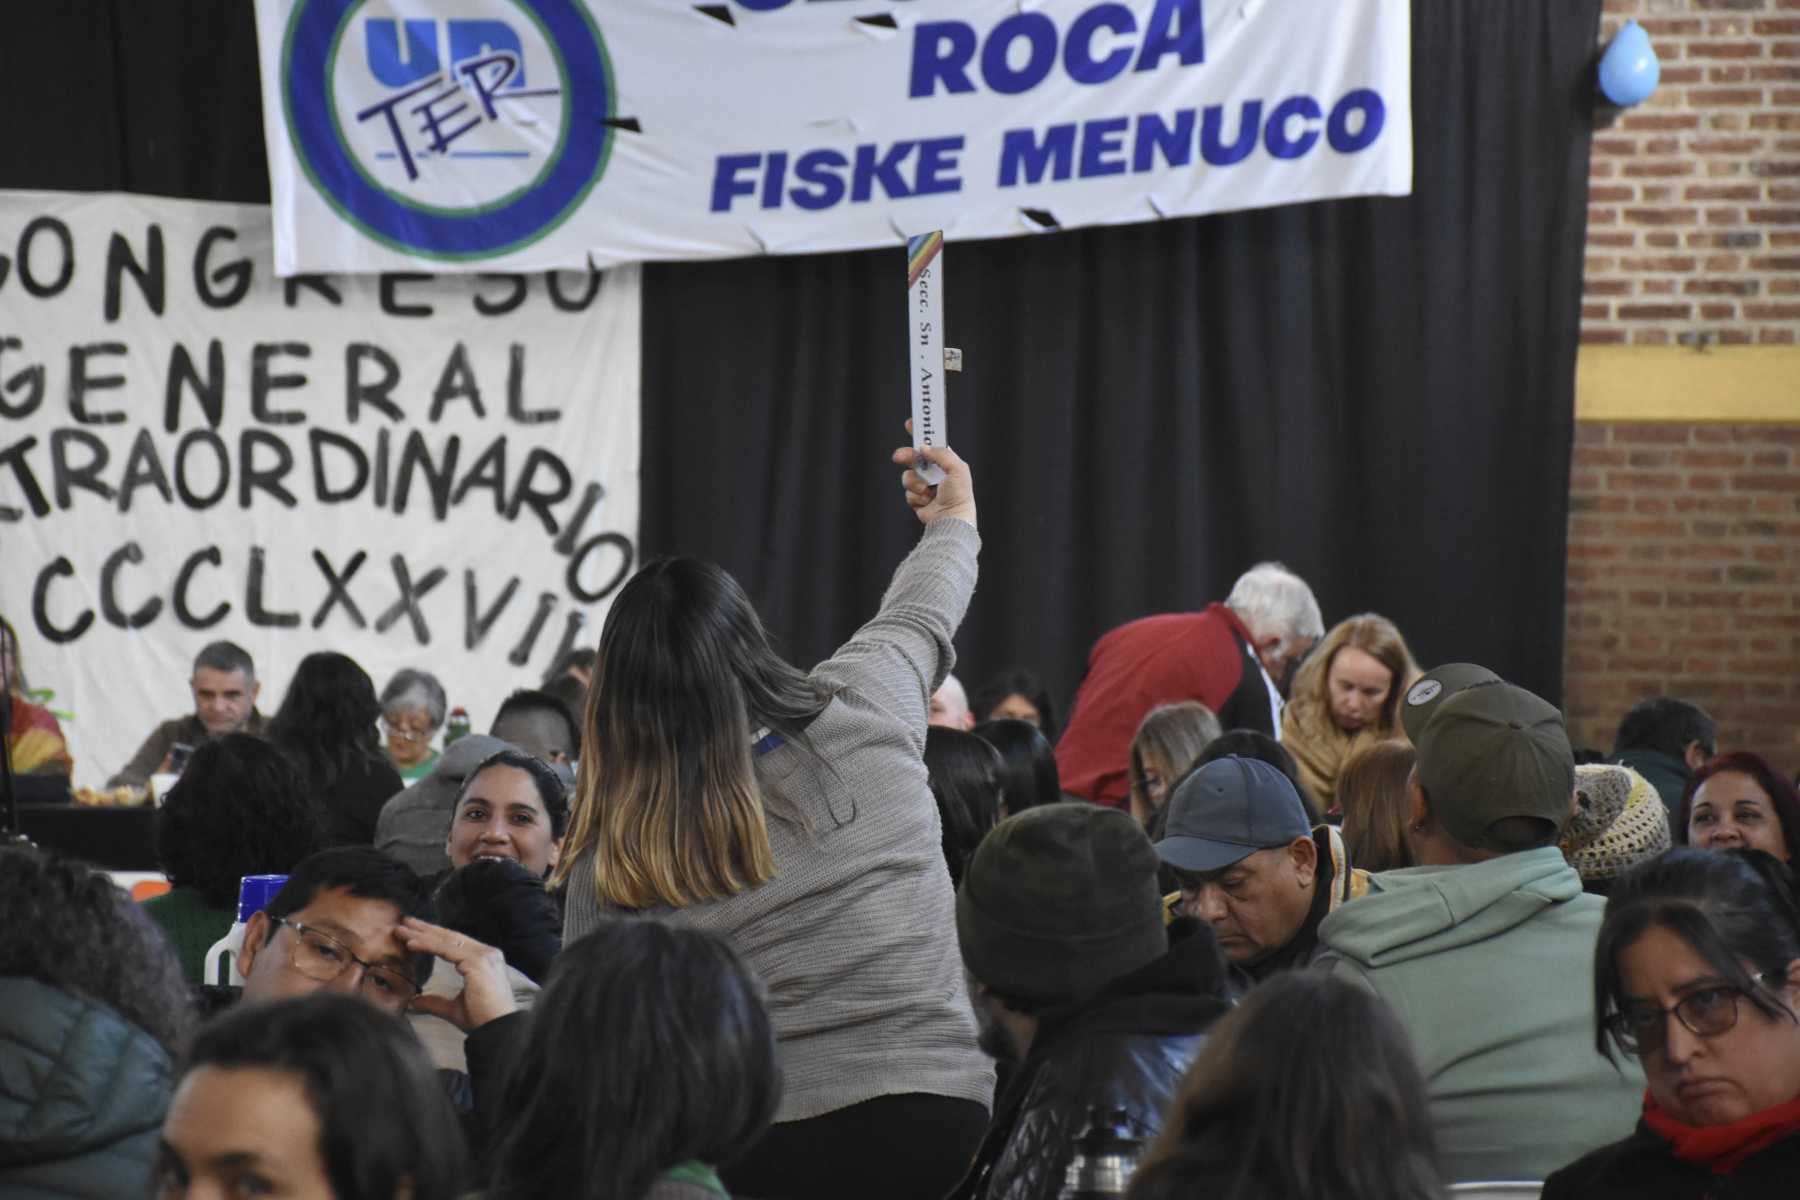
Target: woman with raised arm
point(1697, 975)
point(789, 810)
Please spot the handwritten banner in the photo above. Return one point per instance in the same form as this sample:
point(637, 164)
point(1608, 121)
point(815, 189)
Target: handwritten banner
point(487, 134)
point(417, 471)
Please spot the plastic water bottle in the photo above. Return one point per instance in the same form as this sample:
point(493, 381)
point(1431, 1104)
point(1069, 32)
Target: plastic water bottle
point(254, 894)
point(1105, 1156)
point(457, 725)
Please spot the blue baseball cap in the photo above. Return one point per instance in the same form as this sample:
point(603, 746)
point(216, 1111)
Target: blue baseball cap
point(1228, 810)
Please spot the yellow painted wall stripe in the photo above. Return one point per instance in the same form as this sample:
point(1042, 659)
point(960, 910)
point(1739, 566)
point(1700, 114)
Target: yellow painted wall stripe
point(1676, 383)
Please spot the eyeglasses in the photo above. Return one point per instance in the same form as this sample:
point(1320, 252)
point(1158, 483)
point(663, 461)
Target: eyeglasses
point(395, 730)
point(318, 955)
point(1708, 1012)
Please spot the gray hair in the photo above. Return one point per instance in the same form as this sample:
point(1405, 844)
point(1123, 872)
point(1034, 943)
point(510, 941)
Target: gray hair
point(226, 657)
point(1275, 602)
point(415, 689)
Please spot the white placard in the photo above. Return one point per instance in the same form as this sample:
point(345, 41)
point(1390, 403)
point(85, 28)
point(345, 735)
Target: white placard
point(430, 472)
point(925, 346)
point(523, 134)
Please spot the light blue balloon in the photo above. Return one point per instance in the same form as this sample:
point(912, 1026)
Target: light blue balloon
point(1629, 71)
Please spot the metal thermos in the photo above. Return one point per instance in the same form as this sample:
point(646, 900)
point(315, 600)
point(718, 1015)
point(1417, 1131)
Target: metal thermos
point(1105, 1156)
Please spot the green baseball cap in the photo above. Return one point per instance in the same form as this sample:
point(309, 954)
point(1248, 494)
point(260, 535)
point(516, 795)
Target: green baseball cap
point(1493, 751)
point(1433, 688)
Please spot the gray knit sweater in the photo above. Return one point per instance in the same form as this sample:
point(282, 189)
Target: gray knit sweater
point(855, 936)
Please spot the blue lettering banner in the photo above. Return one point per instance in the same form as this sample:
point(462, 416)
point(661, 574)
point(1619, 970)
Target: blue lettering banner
point(487, 135)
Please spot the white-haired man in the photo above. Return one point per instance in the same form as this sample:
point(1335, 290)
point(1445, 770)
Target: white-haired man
point(1227, 656)
point(950, 706)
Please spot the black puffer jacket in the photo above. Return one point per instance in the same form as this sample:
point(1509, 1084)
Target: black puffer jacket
point(1125, 1048)
point(82, 1097)
point(1642, 1168)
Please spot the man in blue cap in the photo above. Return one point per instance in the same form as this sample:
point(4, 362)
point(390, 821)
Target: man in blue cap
point(1252, 867)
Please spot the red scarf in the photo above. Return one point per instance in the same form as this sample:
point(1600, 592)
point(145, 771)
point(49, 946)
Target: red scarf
point(1722, 1148)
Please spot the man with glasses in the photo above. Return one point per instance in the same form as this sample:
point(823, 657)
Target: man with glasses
point(335, 926)
point(1486, 948)
point(351, 920)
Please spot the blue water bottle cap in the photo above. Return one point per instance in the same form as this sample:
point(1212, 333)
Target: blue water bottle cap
point(255, 892)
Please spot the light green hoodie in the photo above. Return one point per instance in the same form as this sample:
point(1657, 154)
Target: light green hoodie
point(1490, 967)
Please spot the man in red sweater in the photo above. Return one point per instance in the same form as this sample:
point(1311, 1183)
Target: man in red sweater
point(1227, 657)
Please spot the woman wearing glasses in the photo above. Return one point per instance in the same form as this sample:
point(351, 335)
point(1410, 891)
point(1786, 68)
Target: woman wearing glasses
point(1697, 974)
point(1169, 741)
point(413, 706)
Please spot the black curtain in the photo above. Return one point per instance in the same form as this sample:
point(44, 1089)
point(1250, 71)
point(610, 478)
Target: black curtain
point(1377, 392)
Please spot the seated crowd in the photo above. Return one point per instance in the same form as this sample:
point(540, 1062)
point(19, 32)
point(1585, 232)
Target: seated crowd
point(1274, 913)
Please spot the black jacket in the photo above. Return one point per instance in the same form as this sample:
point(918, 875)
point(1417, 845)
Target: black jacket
point(349, 805)
point(1125, 1048)
point(1642, 1168)
point(82, 1096)
point(1666, 773)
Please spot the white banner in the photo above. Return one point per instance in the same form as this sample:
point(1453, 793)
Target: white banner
point(431, 472)
point(528, 134)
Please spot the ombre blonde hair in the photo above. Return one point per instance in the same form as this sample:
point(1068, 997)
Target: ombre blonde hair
point(666, 801)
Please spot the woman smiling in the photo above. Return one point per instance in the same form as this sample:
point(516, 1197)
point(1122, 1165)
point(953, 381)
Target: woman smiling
point(1738, 801)
point(1697, 974)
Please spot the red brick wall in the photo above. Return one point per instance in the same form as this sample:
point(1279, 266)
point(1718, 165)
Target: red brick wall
point(1684, 579)
point(1694, 196)
point(1684, 539)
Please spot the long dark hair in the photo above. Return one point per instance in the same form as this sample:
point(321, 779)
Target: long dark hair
point(385, 1126)
point(965, 777)
point(1028, 775)
point(240, 809)
point(667, 799)
point(1730, 908)
point(651, 1047)
point(326, 722)
point(1306, 1090)
point(1783, 797)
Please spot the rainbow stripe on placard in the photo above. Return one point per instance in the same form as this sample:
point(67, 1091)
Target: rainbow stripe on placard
point(919, 253)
